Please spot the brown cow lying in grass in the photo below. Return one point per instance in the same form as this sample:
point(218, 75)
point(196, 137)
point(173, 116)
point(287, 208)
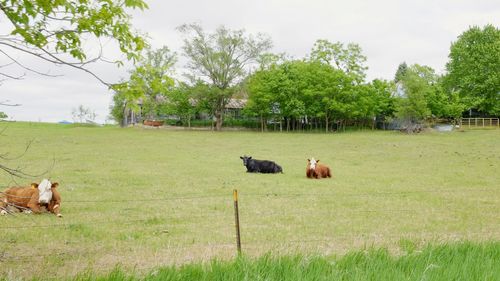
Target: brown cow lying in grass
point(32, 198)
point(317, 171)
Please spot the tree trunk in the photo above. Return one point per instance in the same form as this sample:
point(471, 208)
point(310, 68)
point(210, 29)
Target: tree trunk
point(326, 124)
point(219, 113)
point(218, 120)
point(125, 117)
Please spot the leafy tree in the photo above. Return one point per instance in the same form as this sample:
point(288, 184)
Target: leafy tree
point(474, 68)
point(220, 58)
point(268, 60)
point(326, 91)
point(262, 86)
point(346, 58)
point(417, 84)
point(443, 103)
point(385, 101)
point(118, 106)
point(316, 91)
point(289, 97)
point(153, 78)
point(203, 97)
point(3, 115)
point(401, 72)
point(371, 101)
point(180, 103)
point(54, 31)
point(298, 91)
point(148, 84)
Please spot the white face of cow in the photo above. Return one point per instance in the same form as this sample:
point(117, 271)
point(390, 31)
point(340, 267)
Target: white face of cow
point(312, 163)
point(45, 191)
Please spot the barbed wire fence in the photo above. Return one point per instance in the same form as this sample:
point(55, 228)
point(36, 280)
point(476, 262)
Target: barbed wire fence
point(238, 244)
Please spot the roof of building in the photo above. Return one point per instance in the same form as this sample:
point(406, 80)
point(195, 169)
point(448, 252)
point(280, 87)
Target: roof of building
point(236, 103)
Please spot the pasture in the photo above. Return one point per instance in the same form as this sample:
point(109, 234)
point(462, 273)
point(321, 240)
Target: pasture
point(140, 198)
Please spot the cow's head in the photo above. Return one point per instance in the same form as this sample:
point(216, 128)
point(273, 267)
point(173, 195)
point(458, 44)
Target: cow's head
point(45, 191)
point(245, 159)
point(312, 163)
point(278, 169)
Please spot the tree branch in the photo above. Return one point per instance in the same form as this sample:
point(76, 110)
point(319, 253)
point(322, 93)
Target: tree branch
point(5, 103)
point(12, 77)
point(25, 67)
point(55, 60)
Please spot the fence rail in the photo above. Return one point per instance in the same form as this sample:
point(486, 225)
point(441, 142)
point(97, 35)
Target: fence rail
point(479, 122)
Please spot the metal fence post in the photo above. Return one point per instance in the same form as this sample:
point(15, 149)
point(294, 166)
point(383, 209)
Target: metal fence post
point(237, 221)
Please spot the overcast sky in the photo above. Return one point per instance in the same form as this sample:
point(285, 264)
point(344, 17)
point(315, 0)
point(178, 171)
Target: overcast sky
point(388, 31)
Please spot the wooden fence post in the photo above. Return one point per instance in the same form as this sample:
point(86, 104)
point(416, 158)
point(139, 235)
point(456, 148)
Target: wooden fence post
point(237, 221)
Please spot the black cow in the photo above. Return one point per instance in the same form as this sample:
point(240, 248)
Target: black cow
point(260, 166)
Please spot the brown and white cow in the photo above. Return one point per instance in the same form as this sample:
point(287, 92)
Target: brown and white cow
point(32, 198)
point(316, 170)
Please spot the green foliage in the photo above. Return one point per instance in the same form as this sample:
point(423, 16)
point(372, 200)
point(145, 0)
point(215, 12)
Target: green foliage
point(118, 105)
point(58, 26)
point(401, 72)
point(248, 123)
point(474, 68)
point(208, 96)
point(220, 58)
point(260, 88)
point(424, 95)
point(180, 102)
point(384, 102)
point(314, 89)
point(444, 104)
point(346, 58)
point(3, 115)
point(417, 84)
point(267, 60)
point(149, 84)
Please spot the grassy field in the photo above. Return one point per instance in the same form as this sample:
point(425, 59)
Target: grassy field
point(142, 198)
point(457, 261)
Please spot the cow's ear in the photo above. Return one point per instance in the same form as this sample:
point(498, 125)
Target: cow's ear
point(54, 185)
point(317, 161)
point(34, 185)
point(249, 157)
point(308, 160)
point(241, 157)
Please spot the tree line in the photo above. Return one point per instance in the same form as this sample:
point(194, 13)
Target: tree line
point(326, 90)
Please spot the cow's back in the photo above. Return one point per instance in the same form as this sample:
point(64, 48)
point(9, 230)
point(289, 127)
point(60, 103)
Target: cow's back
point(267, 166)
point(19, 195)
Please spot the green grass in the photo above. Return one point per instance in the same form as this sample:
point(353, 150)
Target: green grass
point(458, 261)
point(143, 198)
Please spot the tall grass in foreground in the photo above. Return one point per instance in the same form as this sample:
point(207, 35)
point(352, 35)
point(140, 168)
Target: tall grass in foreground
point(458, 261)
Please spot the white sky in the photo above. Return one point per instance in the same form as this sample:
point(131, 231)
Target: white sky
point(389, 32)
